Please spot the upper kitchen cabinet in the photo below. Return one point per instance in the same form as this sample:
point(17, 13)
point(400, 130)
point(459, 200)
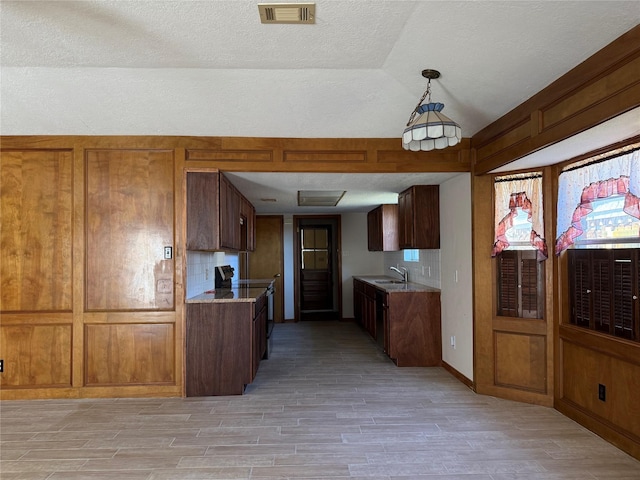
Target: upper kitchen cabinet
point(218, 215)
point(248, 225)
point(382, 229)
point(203, 226)
point(419, 217)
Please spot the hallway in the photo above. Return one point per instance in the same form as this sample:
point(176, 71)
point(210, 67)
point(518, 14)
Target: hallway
point(326, 404)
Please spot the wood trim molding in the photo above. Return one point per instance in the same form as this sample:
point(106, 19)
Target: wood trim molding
point(600, 88)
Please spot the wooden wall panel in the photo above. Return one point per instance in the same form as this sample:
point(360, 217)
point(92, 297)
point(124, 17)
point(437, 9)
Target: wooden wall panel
point(35, 254)
point(130, 219)
point(129, 354)
point(36, 355)
point(600, 88)
point(520, 361)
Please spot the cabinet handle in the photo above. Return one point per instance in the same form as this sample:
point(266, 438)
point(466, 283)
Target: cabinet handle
point(635, 297)
point(588, 291)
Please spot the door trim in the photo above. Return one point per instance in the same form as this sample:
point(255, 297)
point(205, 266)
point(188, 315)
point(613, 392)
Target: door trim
point(297, 220)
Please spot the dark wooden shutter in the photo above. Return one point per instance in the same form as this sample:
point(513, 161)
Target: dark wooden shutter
point(623, 294)
point(508, 283)
point(529, 285)
point(580, 287)
point(601, 283)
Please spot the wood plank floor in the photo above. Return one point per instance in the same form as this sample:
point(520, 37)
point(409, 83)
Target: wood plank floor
point(327, 404)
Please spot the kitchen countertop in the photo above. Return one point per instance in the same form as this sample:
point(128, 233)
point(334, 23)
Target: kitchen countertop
point(381, 282)
point(241, 291)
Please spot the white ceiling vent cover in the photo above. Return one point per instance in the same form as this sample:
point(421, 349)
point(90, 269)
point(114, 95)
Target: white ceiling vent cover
point(287, 12)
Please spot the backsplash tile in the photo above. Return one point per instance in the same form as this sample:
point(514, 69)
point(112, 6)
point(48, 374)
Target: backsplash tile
point(200, 274)
point(425, 272)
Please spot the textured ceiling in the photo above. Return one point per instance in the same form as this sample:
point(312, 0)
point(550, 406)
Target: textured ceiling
point(210, 68)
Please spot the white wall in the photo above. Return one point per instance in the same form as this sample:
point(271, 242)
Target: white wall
point(356, 258)
point(456, 278)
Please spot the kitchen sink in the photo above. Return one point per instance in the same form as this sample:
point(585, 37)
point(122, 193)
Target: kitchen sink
point(388, 281)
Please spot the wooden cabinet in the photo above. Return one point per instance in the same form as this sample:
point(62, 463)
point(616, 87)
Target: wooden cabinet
point(229, 215)
point(247, 226)
point(203, 205)
point(419, 217)
point(225, 342)
point(406, 324)
point(219, 217)
point(382, 229)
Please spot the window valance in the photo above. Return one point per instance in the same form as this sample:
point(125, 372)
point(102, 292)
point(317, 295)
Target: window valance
point(578, 186)
point(511, 192)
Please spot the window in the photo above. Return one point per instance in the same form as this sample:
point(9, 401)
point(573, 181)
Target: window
point(608, 224)
point(411, 255)
point(520, 287)
point(604, 287)
point(519, 245)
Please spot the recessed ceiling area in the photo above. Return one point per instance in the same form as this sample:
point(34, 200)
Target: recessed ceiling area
point(363, 191)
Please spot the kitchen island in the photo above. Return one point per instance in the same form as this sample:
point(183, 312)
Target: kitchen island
point(403, 317)
point(226, 338)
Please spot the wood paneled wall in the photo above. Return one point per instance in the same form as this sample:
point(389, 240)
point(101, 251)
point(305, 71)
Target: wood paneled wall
point(605, 85)
point(548, 361)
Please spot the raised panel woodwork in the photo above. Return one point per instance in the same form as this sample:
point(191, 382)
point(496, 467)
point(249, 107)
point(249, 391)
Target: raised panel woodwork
point(130, 215)
point(36, 355)
point(230, 155)
point(129, 354)
point(35, 254)
point(317, 157)
point(520, 361)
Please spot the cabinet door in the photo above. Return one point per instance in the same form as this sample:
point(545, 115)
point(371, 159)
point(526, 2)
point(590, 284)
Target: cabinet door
point(248, 229)
point(624, 265)
point(374, 233)
point(203, 231)
point(129, 209)
point(405, 220)
point(229, 215)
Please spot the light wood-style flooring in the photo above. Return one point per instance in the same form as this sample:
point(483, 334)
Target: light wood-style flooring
point(327, 404)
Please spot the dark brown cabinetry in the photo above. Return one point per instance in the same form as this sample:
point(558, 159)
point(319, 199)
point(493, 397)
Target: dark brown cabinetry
point(405, 323)
point(219, 217)
point(419, 217)
point(382, 229)
point(225, 342)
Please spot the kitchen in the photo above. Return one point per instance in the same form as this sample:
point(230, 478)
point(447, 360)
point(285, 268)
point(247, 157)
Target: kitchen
point(453, 256)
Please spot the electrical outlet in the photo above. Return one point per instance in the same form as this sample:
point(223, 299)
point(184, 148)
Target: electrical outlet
point(453, 341)
point(602, 392)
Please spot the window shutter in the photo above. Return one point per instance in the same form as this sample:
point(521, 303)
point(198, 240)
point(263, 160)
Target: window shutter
point(529, 276)
point(601, 281)
point(508, 283)
point(623, 294)
point(579, 273)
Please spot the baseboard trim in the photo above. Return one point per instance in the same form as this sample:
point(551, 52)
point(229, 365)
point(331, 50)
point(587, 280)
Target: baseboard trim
point(460, 377)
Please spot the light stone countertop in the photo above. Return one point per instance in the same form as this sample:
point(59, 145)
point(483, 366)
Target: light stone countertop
point(394, 285)
point(242, 291)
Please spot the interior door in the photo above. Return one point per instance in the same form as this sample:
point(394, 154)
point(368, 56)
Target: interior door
point(317, 268)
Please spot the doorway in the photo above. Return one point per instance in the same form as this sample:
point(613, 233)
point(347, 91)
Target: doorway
point(317, 267)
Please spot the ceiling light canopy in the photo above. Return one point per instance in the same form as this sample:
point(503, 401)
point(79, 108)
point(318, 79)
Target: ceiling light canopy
point(428, 128)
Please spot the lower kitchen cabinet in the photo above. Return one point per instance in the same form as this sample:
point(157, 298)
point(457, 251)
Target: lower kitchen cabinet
point(405, 322)
point(225, 342)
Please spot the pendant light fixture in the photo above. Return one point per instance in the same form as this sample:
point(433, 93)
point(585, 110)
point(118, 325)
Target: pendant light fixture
point(428, 128)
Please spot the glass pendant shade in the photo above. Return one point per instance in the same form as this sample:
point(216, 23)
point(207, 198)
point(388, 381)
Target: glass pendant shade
point(430, 129)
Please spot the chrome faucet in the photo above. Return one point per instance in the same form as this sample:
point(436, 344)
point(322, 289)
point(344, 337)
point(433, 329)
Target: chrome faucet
point(403, 272)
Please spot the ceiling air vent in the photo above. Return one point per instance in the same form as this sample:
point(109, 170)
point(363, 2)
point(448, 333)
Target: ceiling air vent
point(319, 198)
point(287, 12)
